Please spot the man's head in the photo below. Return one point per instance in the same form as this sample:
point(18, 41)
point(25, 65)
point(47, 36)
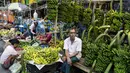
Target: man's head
point(14, 42)
point(47, 30)
point(72, 33)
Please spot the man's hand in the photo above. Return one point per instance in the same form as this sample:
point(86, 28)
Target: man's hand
point(64, 58)
point(34, 33)
point(74, 54)
point(69, 61)
point(16, 56)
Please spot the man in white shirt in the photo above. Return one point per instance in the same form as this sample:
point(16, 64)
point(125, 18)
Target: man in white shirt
point(73, 48)
point(9, 54)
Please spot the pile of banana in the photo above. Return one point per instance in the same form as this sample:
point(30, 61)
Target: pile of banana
point(8, 33)
point(4, 32)
point(41, 55)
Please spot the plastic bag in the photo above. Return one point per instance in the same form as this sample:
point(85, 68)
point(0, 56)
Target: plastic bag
point(15, 68)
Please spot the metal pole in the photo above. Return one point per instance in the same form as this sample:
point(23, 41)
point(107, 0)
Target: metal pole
point(7, 11)
point(4, 3)
point(30, 10)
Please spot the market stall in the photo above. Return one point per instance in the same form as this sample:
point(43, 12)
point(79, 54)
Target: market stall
point(104, 31)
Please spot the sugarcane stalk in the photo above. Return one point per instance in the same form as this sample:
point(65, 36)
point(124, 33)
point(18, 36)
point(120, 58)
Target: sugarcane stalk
point(100, 5)
point(108, 68)
point(94, 63)
point(118, 38)
point(111, 5)
point(104, 20)
point(121, 6)
point(93, 14)
point(104, 27)
point(89, 32)
point(114, 39)
point(122, 37)
point(90, 2)
point(83, 34)
point(101, 35)
point(129, 38)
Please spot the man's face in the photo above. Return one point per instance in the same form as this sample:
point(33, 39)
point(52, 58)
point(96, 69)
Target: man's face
point(15, 45)
point(72, 34)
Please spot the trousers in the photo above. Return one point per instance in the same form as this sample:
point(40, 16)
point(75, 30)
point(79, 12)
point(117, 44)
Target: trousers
point(65, 68)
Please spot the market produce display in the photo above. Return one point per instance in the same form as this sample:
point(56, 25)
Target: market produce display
point(114, 19)
point(105, 35)
point(41, 55)
point(126, 20)
point(99, 17)
point(87, 16)
point(91, 53)
point(8, 33)
point(52, 9)
point(76, 12)
point(65, 12)
point(104, 57)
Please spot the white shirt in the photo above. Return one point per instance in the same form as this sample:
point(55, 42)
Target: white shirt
point(32, 26)
point(9, 50)
point(74, 47)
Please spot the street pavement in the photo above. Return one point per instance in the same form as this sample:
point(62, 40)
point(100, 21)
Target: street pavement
point(3, 70)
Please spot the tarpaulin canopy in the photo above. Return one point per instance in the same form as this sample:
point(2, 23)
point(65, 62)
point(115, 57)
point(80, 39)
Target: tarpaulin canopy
point(17, 6)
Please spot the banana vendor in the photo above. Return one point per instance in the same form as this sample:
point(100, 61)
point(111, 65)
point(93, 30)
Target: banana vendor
point(10, 54)
point(45, 39)
point(73, 47)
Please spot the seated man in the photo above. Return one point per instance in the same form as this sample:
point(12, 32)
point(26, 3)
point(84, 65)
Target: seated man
point(9, 55)
point(72, 46)
point(46, 38)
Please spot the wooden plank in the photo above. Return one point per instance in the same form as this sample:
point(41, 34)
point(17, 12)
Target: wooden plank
point(81, 66)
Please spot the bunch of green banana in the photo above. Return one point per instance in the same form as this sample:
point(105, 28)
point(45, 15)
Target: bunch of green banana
point(99, 16)
point(105, 56)
point(91, 52)
point(126, 20)
point(114, 19)
point(121, 59)
point(87, 16)
point(76, 12)
point(52, 10)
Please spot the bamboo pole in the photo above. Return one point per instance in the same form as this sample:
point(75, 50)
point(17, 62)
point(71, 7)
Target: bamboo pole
point(90, 3)
point(121, 6)
point(55, 34)
point(93, 14)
